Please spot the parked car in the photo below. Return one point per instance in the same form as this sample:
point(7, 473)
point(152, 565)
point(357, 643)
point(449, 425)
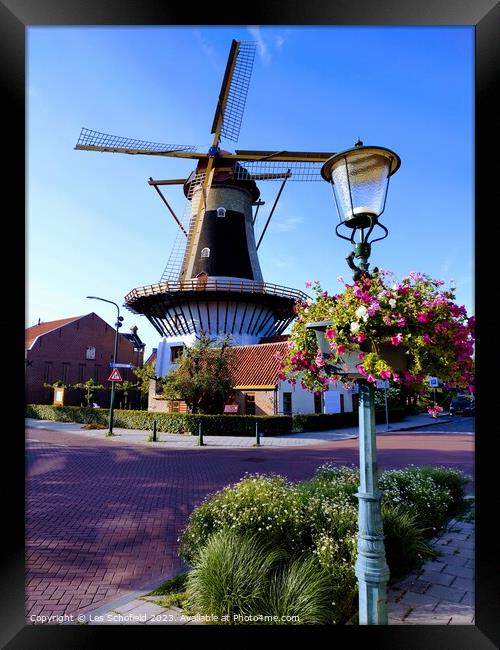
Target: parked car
point(462, 406)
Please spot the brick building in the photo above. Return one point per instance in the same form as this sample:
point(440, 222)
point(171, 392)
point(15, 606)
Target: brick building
point(73, 350)
point(259, 391)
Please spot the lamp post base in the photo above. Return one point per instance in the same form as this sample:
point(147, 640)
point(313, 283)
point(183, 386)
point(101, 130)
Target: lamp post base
point(371, 566)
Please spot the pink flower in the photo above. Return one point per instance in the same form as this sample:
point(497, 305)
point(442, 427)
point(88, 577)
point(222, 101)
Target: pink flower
point(371, 379)
point(426, 338)
point(396, 340)
point(401, 322)
point(330, 333)
point(422, 317)
point(395, 377)
point(385, 374)
point(319, 360)
point(341, 349)
point(361, 355)
point(359, 338)
point(308, 284)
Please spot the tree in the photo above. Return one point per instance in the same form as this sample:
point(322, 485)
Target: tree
point(125, 387)
point(204, 377)
point(144, 376)
point(90, 386)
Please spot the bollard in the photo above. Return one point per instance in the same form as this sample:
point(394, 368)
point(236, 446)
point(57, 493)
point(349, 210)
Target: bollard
point(154, 430)
point(257, 435)
point(200, 436)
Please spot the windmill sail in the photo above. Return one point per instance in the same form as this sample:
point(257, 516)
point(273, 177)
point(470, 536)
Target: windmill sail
point(95, 141)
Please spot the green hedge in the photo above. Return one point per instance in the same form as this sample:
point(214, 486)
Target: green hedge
point(324, 421)
point(187, 423)
point(181, 423)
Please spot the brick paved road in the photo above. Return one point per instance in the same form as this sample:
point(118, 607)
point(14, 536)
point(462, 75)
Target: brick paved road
point(103, 520)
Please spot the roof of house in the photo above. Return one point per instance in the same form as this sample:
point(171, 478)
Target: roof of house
point(32, 333)
point(256, 366)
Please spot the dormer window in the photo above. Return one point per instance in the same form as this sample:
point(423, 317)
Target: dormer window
point(221, 212)
point(205, 252)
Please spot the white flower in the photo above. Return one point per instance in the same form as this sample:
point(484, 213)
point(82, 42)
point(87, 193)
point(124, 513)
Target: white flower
point(354, 327)
point(361, 312)
point(392, 302)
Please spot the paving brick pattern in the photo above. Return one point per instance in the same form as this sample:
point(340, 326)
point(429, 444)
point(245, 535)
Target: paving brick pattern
point(442, 592)
point(102, 519)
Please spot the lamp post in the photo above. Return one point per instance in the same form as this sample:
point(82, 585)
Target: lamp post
point(360, 178)
point(118, 324)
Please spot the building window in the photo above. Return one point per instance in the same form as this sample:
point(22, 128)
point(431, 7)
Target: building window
point(221, 212)
point(81, 372)
point(90, 352)
point(176, 353)
point(318, 403)
point(65, 372)
point(287, 403)
point(205, 252)
point(175, 406)
point(47, 372)
point(250, 403)
point(342, 405)
point(97, 370)
point(355, 402)
point(158, 387)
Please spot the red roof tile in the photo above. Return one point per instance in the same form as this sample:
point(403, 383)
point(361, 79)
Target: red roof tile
point(38, 330)
point(256, 365)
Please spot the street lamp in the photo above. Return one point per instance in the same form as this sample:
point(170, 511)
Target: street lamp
point(118, 324)
point(360, 180)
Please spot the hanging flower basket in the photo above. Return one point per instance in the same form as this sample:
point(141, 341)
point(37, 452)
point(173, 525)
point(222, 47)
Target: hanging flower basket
point(378, 328)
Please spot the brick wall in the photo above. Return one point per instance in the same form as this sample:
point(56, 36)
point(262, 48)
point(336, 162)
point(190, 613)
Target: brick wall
point(61, 355)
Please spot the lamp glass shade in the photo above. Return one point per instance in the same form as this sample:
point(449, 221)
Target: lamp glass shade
point(360, 178)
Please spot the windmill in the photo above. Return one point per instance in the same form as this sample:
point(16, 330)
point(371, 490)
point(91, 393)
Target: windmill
point(213, 282)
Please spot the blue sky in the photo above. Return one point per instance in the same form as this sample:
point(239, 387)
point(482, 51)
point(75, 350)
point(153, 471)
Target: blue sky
point(94, 226)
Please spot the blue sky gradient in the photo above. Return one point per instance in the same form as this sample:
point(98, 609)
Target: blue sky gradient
point(94, 226)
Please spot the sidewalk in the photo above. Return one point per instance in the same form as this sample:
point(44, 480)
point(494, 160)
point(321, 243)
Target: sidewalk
point(440, 593)
point(134, 436)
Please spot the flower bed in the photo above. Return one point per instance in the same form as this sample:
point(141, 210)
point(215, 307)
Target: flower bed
point(274, 529)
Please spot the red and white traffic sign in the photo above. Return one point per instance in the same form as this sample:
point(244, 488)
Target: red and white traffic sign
point(115, 375)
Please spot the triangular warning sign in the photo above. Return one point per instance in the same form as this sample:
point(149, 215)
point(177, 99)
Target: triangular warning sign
point(115, 375)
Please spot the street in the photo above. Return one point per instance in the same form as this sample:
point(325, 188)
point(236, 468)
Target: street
point(103, 519)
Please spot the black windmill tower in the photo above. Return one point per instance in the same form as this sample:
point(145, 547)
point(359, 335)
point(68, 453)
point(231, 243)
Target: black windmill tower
point(213, 282)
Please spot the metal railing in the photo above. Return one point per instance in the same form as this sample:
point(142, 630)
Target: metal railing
point(233, 286)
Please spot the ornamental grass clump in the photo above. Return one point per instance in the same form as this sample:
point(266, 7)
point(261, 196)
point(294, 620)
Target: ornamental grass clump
point(434, 334)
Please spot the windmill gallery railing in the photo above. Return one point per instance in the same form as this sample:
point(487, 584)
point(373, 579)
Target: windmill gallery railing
point(215, 285)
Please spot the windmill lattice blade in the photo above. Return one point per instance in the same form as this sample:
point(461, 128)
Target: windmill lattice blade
point(106, 141)
point(269, 170)
point(238, 90)
point(173, 268)
point(288, 156)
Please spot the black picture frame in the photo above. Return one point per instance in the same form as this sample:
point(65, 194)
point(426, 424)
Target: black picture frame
point(15, 17)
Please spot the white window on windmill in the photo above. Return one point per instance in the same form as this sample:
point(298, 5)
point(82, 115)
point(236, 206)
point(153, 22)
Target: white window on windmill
point(205, 252)
point(221, 212)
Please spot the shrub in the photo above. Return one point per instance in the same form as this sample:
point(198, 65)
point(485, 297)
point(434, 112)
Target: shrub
point(231, 575)
point(266, 506)
point(419, 493)
point(405, 545)
point(325, 421)
point(178, 423)
point(301, 589)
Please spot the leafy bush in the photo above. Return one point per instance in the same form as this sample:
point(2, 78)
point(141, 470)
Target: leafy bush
point(325, 421)
point(429, 501)
point(179, 423)
point(319, 517)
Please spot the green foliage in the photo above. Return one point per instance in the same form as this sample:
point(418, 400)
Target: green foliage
point(204, 376)
point(144, 375)
point(231, 575)
point(405, 540)
point(325, 421)
point(179, 423)
point(431, 502)
point(319, 517)
point(90, 387)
